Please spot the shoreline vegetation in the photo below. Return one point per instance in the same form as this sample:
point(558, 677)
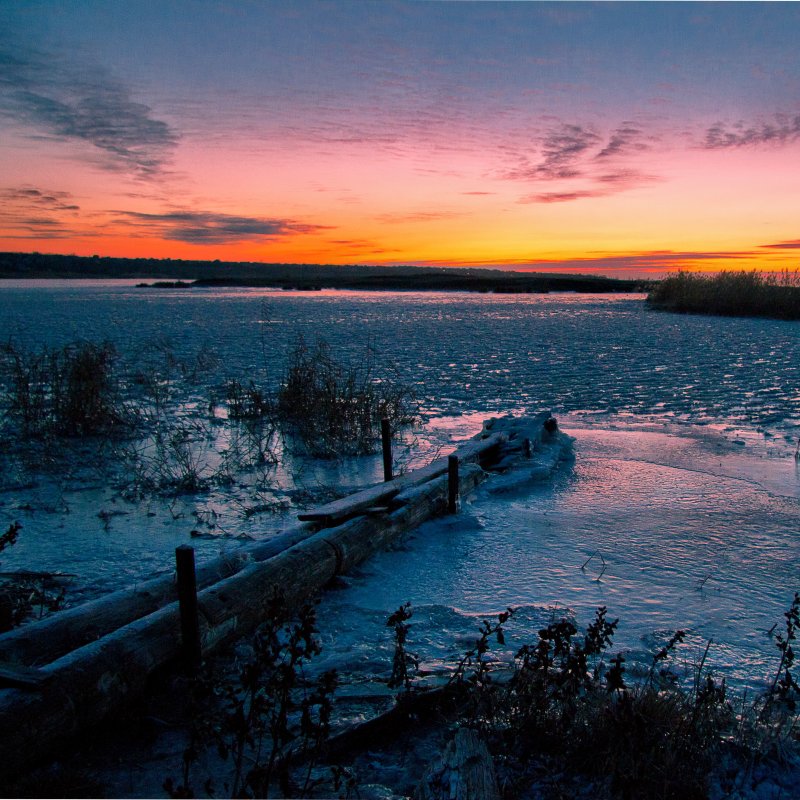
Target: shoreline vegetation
point(730, 294)
point(305, 277)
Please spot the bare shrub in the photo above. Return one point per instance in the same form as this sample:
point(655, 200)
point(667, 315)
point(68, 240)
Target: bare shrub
point(267, 718)
point(333, 407)
point(74, 391)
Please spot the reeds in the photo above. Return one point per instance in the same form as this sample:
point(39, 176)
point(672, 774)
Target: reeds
point(335, 407)
point(74, 391)
point(733, 294)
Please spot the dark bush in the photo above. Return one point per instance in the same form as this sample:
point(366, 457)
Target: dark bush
point(73, 391)
point(335, 408)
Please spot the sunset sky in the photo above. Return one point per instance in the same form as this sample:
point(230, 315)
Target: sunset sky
point(613, 137)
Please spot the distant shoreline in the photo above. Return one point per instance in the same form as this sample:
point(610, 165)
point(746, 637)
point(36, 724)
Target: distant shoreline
point(170, 273)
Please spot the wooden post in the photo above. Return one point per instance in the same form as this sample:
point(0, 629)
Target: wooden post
point(452, 484)
point(386, 441)
point(187, 601)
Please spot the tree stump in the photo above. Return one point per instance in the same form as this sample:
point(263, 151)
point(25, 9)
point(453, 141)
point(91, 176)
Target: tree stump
point(465, 771)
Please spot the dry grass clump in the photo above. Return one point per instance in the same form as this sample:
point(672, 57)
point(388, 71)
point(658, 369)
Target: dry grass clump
point(741, 294)
point(335, 408)
point(74, 391)
point(25, 595)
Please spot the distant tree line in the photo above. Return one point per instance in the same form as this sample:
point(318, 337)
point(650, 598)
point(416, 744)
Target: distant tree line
point(305, 276)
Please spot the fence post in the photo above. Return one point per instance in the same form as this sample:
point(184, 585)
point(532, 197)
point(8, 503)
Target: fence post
point(386, 441)
point(452, 484)
point(187, 602)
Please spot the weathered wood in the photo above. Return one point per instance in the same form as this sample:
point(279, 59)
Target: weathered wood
point(386, 447)
point(191, 649)
point(84, 686)
point(41, 642)
point(465, 771)
point(17, 675)
point(409, 711)
point(452, 484)
point(382, 493)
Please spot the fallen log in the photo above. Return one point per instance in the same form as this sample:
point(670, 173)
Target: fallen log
point(44, 641)
point(79, 688)
point(83, 687)
point(382, 493)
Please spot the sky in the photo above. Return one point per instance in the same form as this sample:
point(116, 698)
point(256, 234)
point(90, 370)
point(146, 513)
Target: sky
point(621, 138)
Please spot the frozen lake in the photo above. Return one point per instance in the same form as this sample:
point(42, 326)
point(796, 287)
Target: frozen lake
point(682, 506)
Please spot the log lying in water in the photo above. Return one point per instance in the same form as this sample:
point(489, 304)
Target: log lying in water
point(81, 687)
point(84, 686)
point(42, 642)
point(340, 510)
point(48, 639)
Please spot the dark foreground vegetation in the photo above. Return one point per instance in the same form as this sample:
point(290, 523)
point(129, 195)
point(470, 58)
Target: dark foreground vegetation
point(185, 274)
point(730, 294)
point(558, 717)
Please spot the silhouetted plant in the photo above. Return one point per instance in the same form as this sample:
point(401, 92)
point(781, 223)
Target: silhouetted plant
point(74, 391)
point(335, 408)
point(26, 594)
point(268, 716)
point(404, 663)
point(784, 689)
point(246, 402)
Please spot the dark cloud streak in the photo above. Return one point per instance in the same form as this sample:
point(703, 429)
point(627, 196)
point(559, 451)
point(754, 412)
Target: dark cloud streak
point(784, 130)
point(574, 153)
point(72, 102)
point(793, 244)
point(202, 227)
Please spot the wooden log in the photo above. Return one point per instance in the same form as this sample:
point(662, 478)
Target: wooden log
point(46, 640)
point(84, 686)
point(465, 771)
point(383, 493)
point(41, 642)
point(386, 447)
point(25, 677)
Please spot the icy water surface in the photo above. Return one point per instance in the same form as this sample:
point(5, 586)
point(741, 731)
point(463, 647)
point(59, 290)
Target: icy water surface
point(670, 529)
point(682, 508)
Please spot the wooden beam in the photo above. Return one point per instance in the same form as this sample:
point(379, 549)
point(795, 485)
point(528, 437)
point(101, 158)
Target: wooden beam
point(382, 493)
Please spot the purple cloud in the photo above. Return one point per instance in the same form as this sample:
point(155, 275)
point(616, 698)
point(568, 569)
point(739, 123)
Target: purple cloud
point(203, 227)
point(562, 150)
point(70, 101)
point(30, 213)
point(784, 130)
point(793, 244)
point(624, 140)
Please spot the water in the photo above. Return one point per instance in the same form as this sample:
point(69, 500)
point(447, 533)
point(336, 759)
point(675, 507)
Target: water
point(682, 509)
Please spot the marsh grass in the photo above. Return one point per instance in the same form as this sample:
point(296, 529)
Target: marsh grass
point(268, 723)
point(334, 407)
point(26, 595)
point(741, 294)
point(74, 391)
